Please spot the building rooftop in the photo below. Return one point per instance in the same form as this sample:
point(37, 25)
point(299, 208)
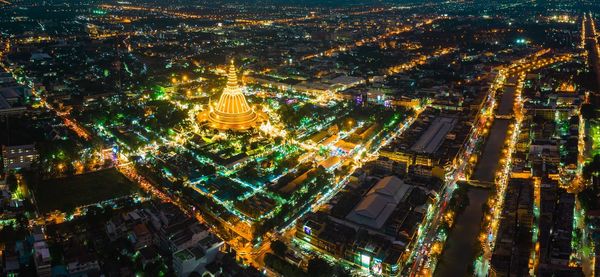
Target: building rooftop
point(380, 202)
point(432, 139)
point(190, 253)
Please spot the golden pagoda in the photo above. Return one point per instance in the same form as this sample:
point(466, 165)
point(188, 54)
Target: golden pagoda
point(232, 112)
point(566, 87)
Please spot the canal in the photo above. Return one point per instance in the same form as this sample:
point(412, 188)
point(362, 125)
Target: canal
point(488, 164)
point(506, 103)
point(459, 251)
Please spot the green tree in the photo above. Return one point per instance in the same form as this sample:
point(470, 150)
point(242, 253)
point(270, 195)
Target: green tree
point(11, 180)
point(279, 248)
point(592, 168)
point(319, 267)
point(588, 111)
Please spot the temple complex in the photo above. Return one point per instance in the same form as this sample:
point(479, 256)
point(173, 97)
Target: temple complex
point(232, 111)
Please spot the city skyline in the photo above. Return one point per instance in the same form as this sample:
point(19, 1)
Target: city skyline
point(299, 138)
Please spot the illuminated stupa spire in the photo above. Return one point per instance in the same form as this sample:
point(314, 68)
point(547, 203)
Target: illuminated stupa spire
point(232, 111)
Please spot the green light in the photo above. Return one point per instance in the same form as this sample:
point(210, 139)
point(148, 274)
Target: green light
point(99, 12)
point(304, 121)
point(158, 93)
point(127, 70)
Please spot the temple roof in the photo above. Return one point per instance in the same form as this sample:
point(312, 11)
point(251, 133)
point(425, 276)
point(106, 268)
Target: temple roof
point(232, 111)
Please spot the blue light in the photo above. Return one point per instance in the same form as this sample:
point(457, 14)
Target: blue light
point(307, 230)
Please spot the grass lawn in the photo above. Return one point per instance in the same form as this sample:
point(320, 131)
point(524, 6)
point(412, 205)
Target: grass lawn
point(65, 194)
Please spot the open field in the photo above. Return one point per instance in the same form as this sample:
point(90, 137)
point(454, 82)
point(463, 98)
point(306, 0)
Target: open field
point(65, 194)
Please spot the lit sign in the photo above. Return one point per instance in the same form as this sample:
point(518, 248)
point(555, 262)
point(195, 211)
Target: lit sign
point(365, 260)
point(307, 230)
